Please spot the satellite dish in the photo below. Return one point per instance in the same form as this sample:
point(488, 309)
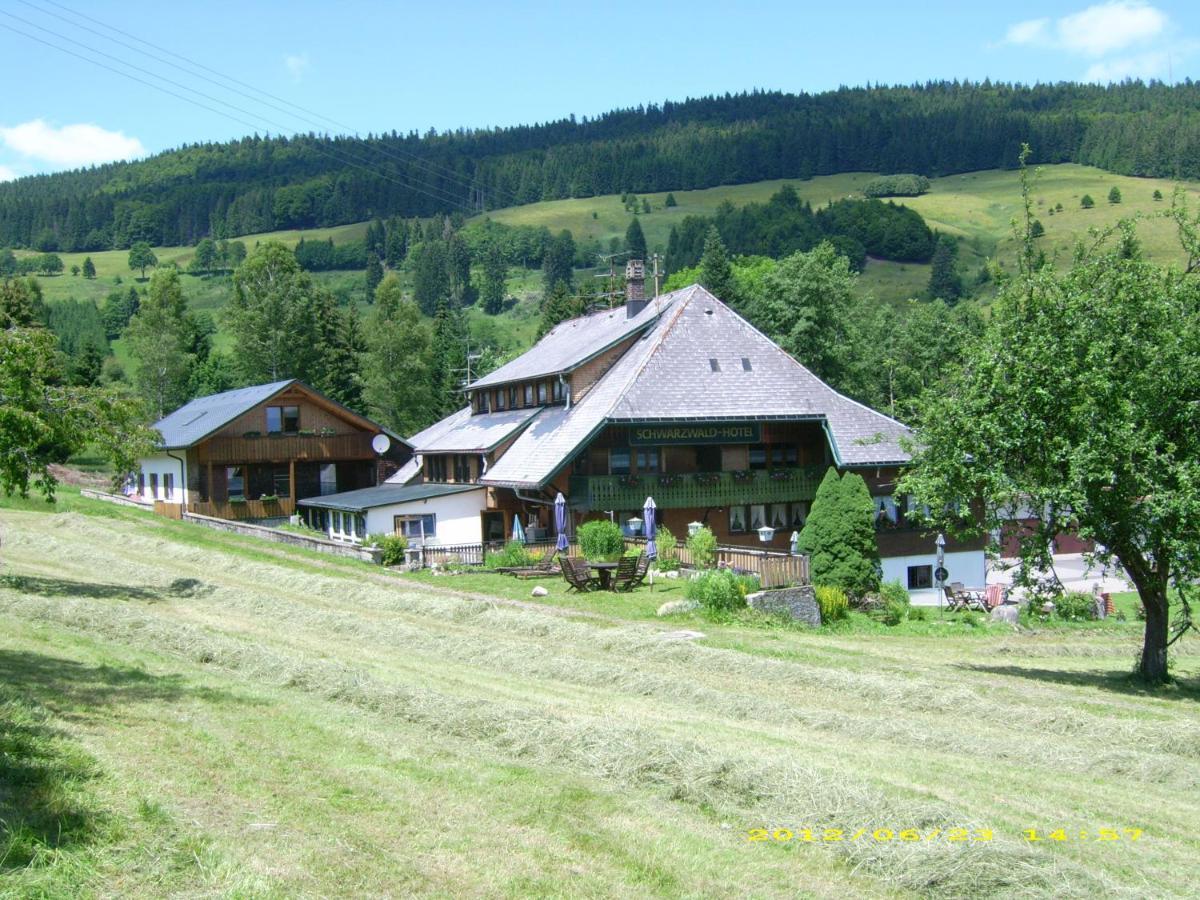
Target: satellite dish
point(381, 443)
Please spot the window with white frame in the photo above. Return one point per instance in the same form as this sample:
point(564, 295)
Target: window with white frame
point(416, 528)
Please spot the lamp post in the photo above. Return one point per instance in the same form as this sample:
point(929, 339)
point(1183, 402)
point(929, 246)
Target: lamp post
point(766, 533)
point(635, 524)
point(940, 573)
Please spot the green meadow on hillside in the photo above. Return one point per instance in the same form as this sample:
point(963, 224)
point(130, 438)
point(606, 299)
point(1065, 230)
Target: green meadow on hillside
point(977, 207)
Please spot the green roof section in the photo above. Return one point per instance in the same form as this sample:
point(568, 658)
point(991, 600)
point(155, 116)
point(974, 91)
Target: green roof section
point(386, 495)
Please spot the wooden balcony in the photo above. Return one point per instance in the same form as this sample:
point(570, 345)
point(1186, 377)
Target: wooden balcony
point(244, 509)
point(286, 447)
point(694, 489)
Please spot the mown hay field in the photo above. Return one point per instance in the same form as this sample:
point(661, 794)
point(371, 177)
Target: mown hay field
point(183, 712)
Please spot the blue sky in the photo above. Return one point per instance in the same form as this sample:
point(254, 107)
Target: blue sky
point(404, 66)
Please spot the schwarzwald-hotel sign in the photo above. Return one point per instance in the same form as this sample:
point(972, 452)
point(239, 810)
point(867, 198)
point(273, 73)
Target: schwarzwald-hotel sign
point(737, 433)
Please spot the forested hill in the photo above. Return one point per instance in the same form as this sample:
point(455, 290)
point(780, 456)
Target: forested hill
point(261, 184)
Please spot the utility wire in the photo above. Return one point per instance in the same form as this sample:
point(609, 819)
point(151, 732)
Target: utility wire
point(445, 197)
point(309, 116)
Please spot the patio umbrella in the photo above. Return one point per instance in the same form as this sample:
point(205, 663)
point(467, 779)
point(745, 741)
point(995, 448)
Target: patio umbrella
point(648, 518)
point(560, 522)
point(518, 530)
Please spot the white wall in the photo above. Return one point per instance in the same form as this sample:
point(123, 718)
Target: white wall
point(969, 567)
point(457, 516)
point(161, 464)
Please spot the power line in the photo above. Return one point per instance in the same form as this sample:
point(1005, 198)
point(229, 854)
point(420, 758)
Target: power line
point(309, 116)
point(444, 198)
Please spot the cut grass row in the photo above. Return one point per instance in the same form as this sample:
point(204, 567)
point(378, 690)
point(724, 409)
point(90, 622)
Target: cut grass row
point(588, 756)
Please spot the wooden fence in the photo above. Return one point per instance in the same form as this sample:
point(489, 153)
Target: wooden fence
point(774, 569)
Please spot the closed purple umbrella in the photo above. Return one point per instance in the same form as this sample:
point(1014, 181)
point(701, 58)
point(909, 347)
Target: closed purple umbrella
point(648, 518)
point(560, 522)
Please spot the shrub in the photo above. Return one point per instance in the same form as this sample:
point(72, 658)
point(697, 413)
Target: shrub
point(720, 590)
point(897, 605)
point(392, 545)
point(1114, 194)
point(1086, 201)
point(1075, 605)
point(513, 554)
point(703, 547)
point(668, 553)
point(601, 540)
point(833, 603)
point(971, 619)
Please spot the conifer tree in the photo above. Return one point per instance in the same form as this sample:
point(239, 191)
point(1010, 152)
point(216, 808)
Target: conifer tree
point(448, 357)
point(716, 273)
point(558, 307)
point(635, 240)
point(374, 275)
point(944, 280)
point(89, 267)
point(839, 535)
point(495, 270)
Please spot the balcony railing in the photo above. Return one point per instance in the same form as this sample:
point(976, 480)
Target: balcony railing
point(282, 448)
point(243, 510)
point(694, 489)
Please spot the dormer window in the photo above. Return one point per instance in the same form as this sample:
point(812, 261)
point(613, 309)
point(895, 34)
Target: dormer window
point(541, 393)
point(501, 400)
point(714, 365)
point(529, 395)
point(484, 402)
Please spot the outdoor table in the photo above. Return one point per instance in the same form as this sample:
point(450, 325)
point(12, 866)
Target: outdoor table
point(604, 572)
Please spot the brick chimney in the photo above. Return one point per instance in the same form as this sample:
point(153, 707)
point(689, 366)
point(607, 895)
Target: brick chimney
point(635, 287)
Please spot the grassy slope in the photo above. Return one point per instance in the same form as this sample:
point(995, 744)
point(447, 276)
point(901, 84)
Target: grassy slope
point(979, 207)
point(230, 717)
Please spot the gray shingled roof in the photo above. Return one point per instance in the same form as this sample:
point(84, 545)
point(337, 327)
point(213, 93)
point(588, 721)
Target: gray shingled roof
point(678, 382)
point(466, 433)
point(570, 344)
point(196, 420)
point(666, 376)
point(386, 495)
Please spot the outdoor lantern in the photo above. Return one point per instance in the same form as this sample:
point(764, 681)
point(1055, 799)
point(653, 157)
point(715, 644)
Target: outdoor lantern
point(634, 523)
point(694, 527)
point(766, 533)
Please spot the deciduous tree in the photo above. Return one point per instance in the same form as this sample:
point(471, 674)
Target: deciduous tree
point(142, 257)
point(1080, 402)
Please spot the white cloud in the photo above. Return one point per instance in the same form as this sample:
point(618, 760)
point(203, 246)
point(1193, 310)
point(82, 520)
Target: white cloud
point(1033, 31)
point(1095, 31)
point(70, 145)
point(1110, 26)
point(296, 65)
point(7, 174)
point(1144, 66)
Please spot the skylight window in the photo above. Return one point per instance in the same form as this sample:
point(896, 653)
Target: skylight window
point(714, 365)
point(746, 364)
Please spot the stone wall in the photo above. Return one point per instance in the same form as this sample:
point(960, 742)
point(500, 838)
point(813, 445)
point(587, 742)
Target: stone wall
point(800, 603)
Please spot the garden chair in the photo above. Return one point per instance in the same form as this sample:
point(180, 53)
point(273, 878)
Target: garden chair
point(642, 569)
point(623, 578)
point(578, 575)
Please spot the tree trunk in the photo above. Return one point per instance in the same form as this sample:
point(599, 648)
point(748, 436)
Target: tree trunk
point(1153, 666)
point(1151, 586)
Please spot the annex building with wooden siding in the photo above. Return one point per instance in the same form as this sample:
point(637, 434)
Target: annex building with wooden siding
point(253, 452)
